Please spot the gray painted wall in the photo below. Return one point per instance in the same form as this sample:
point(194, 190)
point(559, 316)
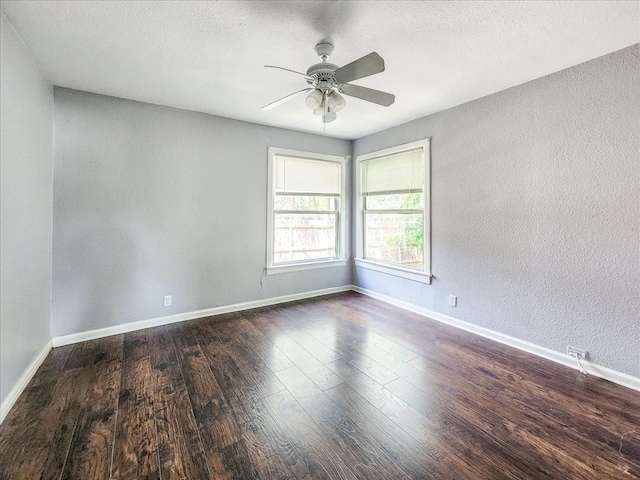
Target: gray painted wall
point(152, 201)
point(536, 211)
point(26, 129)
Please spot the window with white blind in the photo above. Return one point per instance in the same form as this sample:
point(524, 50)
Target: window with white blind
point(305, 210)
point(393, 225)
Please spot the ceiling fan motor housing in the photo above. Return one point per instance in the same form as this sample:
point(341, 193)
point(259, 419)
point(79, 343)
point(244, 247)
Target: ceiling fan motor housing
point(322, 75)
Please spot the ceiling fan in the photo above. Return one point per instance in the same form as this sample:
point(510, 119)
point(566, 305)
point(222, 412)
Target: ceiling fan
point(328, 81)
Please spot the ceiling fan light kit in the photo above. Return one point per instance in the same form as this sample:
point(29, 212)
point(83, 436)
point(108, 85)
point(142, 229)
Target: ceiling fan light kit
point(336, 101)
point(328, 117)
point(315, 99)
point(328, 81)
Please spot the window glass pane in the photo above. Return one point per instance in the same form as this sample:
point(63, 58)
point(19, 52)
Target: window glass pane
point(305, 236)
point(395, 238)
point(294, 202)
point(411, 201)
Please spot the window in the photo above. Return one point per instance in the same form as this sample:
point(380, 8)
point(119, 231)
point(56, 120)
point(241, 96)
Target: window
point(305, 210)
point(394, 223)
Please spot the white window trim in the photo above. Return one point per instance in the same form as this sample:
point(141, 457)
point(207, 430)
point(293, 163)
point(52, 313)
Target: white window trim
point(424, 275)
point(340, 259)
point(296, 267)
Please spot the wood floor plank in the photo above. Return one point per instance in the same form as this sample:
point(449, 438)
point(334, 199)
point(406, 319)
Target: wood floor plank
point(243, 379)
point(359, 381)
point(348, 338)
point(255, 373)
point(322, 457)
point(373, 362)
point(91, 449)
point(41, 424)
point(354, 446)
point(349, 330)
point(559, 425)
point(237, 462)
point(293, 319)
point(273, 357)
point(468, 456)
point(334, 387)
point(181, 453)
point(318, 373)
point(416, 458)
point(240, 393)
point(52, 365)
point(556, 429)
point(274, 454)
point(216, 422)
point(482, 426)
point(135, 449)
point(404, 328)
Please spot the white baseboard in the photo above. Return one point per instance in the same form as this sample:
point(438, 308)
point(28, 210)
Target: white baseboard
point(24, 379)
point(620, 378)
point(558, 357)
point(181, 317)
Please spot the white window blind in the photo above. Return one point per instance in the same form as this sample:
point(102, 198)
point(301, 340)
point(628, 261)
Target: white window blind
point(398, 173)
point(302, 176)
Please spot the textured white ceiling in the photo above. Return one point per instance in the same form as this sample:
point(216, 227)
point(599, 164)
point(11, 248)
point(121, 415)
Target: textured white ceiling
point(209, 56)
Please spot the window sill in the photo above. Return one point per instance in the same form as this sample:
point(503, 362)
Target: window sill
point(393, 270)
point(295, 267)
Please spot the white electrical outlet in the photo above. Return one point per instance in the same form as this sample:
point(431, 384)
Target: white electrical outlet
point(577, 352)
point(453, 301)
point(167, 300)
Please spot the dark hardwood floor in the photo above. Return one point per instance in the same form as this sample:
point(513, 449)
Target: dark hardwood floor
point(341, 386)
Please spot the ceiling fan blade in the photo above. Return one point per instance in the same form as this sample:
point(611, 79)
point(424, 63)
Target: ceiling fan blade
point(363, 67)
point(370, 95)
point(280, 101)
point(288, 70)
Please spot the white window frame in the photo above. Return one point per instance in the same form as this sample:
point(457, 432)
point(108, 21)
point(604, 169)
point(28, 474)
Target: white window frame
point(424, 275)
point(341, 225)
